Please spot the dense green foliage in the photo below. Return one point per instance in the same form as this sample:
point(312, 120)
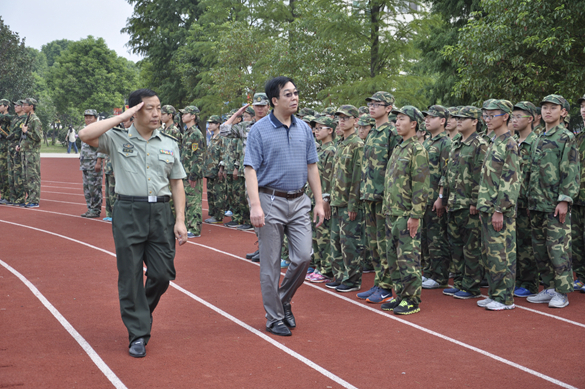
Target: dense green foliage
point(16, 79)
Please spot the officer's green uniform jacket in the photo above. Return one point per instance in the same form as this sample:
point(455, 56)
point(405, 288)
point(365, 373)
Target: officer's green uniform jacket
point(213, 157)
point(174, 131)
point(438, 149)
point(347, 173)
point(192, 153)
point(461, 185)
point(142, 167)
point(407, 180)
point(500, 182)
point(378, 148)
point(525, 160)
point(555, 171)
point(33, 134)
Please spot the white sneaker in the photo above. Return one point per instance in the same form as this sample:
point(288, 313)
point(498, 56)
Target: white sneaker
point(483, 303)
point(559, 300)
point(429, 283)
point(543, 297)
point(424, 278)
point(497, 306)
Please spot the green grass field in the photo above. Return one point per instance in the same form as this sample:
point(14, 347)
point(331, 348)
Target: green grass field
point(57, 148)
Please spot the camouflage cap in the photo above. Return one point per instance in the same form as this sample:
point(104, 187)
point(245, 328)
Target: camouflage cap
point(326, 121)
point(4, 102)
point(487, 102)
point(363, 110)
point(437, 111)
point(190, 109)
point(214, 119)
point(30, 101)
point(348, 110)
point(582, 99)
point(231, 113)
point(169, 109)
point(366, 120)
point(503, 105)
point(250, 111)
point(392, 117)
point(306, 111)
point(453, 111)
point(384, 97)
point(329, 111)
point(526, 106)
point(566, 105)
point(308, 118)
point(469, 112)
point(412, 112)
point(555, 99)
point(90, 112)
point(260, 99)
point(538, 111)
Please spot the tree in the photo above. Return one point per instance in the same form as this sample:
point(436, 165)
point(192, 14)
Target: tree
point(89, 75)
point(16, 78)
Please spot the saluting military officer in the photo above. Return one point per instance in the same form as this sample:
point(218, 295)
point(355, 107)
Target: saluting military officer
point(145, 162)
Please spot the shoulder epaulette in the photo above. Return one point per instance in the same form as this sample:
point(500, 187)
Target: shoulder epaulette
point(169, 136)
point(119, 129)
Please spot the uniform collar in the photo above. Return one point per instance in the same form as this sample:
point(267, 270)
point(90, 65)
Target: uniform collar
point(276, 123)
point(530, 138)
point(134, 134)
point(441, 135)
point(470, 138)
point(553, 130)
point(382, 127)
point(410, 140)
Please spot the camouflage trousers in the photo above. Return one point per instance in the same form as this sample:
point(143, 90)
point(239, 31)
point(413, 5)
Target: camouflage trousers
point(32, 170)
point(230, 196)
point(526, 269)
point(193, 207)
point(216, 198)
point(435, 251)
point(322, 257)
point(499, 253)
point(551, 242)
point(92, 189)
point(110, 194)
point(242, 206)
point(347, 250)
point(375, 241)
point(16, 177)
point(403, 253)
point(465, 240)
point(578, 240)
point(4, 172)
point(368, 261)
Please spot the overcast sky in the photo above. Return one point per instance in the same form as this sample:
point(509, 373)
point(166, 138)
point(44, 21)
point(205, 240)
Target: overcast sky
point(43, 21)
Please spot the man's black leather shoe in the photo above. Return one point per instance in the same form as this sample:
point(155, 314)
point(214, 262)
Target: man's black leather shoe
point(252, 255)
point(289, 318)
point(278, 328)
point(137, 349)
point(255, 258)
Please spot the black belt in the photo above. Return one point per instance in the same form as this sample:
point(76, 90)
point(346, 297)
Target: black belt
point(286, 195)
point(145, 199)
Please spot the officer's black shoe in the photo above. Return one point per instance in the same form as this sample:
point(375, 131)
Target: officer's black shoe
point(289, 318)
point(278, 328)
point(252, 255)
point(137, 349)
point(256, 258)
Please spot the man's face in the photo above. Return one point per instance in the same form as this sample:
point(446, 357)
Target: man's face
point(494, 119)
point(466, 124)
point(322, 131)
point(18, 109)
point(27, 107)
point(520, 120)
point(213, 126)
point(187, 117)
point(551, 113)
point(379, 109)
point(260, 110)
point(363, 131)
point(346, 123)
point(288, 100)
point(583, 110)
point(404, 125)
point(3, 108)
point(248, 117)
point(149, 115)
point(434, 123)
point(89, 119)
point(166, 117)
point(452, 124)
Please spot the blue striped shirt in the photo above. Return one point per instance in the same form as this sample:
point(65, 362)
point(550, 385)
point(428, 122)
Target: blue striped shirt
point(280, 154)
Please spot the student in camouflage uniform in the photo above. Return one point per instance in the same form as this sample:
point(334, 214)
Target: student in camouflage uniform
point(30, 148)
point(498, 195)
point(4, 142)
point(435, 253)
point(229, 157)
point(578, 213)
point(324, 132)
point(554, 184)
point(213, 171)
point(15, 169)
point(405, 199)
point(526, 270)
point(461, 187)
point(346, 236)
point(91, 166)
point(538, 125)
point(192, 152)
point(329, 112)
point(451, 124)
point(377, 151)
point(167, 113)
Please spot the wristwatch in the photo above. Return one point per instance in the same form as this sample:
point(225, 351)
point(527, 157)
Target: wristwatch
point(440, 196)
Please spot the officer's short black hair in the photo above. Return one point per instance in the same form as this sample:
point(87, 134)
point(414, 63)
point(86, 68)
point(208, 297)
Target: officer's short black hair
point(137, 96)
point(274, 86)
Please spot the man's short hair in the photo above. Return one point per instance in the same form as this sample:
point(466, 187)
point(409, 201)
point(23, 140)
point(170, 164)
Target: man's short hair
point(137, 96)
point(274, 86)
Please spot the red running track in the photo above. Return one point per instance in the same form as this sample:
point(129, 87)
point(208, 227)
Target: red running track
point(209, 327)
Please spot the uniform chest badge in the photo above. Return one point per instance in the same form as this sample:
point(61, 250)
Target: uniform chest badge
point(166, 152)
point(128, 148)
point(194, 146)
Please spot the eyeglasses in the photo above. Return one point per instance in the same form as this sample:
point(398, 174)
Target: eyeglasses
point(491, 117)
point(376, 105)
point(518, 117)
point(343, 118)
point(288, 95)
point(460, 119)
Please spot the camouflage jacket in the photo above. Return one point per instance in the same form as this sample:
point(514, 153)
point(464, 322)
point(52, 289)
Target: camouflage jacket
point(407, 180)
point(326, 154)
point(34, 133)
point(347, 173)
point(230, 154)
point(554, 174)
point(175, 133)
point(377, 151)
point(539, 129)
point(213, 157)
point(5, 120)
point(438, 149)
point(525, 160)
point(239, 131)
point(580, 143)
point(461, 185)
point(500, 182)
point(16, 123)
point(88, 157)
point(192, 152)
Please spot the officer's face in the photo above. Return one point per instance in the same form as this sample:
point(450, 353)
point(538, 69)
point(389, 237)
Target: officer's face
point(261, 111)
point(149, 115)
point(89, 119)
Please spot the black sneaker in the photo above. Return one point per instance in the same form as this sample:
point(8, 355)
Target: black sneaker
point(232, 224)
point(347, 288)
point(245, 227)
point(406, 308)
point(390, 305)
point(251, 255)
point(333, 284)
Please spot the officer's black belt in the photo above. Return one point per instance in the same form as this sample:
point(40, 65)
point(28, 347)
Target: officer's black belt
point(286, 195)
point(145, 199)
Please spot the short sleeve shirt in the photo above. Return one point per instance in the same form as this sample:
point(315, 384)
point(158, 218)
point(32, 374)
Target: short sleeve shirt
point(142, 167)
point(280, 154)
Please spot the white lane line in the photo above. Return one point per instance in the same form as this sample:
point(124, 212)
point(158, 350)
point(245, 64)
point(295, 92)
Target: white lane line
point(66, 202)
point(280, 346)
point(110, 375)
